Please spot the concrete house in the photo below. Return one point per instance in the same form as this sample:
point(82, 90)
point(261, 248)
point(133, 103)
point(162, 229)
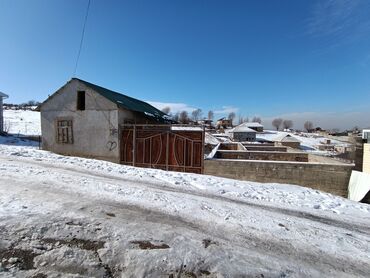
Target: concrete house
point(84, 119)
point(255, 126)
point(223, 123)
point(2, 96)
point(287, 140)
point(242, 133)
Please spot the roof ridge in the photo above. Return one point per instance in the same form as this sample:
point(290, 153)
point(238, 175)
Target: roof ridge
point(125, 101)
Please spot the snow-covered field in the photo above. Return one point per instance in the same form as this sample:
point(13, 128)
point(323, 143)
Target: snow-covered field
point(22, 122)
point(73, 217)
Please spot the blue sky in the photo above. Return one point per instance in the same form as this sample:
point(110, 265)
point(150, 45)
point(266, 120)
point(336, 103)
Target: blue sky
point(303, 60)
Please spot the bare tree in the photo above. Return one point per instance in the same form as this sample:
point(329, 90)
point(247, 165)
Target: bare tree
point(308, 126)
point(166, 110)
point(184, 117)
point(176, 117)
point(196, 114)
point(256, 119)
point(335, 130)
point(277, 123)
point(241, 119)
point(287, 124)
point(210, 115)
point(231, 117)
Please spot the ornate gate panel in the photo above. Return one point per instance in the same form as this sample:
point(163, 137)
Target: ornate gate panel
point(166, 147)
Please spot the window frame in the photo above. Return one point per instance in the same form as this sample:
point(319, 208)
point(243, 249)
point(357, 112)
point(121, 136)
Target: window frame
point(64, 131)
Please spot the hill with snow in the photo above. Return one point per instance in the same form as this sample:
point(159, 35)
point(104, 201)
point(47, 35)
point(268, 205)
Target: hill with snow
point(22, 122)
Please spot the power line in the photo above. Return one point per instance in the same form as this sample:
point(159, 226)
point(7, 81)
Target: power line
point(82, 38)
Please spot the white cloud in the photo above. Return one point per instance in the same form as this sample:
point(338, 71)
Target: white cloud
point(178, 107)
point(226, 110)
point(326, 120)
point(341, 19)
point(175, 107)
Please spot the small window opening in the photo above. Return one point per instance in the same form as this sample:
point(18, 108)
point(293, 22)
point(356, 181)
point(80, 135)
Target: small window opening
point(81, 100)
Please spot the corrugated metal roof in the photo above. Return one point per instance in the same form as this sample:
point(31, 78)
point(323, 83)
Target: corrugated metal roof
point(3, 95)
point(127, 102)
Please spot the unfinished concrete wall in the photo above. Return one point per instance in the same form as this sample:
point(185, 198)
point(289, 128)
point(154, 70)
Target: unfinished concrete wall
point(231, 146)
point(366, 160)
point(326, 177)
point(262, 155)
point(95, 129)
point(263, 148)
point(244, 136)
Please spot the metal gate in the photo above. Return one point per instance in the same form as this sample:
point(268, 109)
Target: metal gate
point(166, 147)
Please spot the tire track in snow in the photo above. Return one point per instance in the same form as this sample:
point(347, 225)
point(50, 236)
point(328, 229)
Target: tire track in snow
point(169, 188)
point(270, 247)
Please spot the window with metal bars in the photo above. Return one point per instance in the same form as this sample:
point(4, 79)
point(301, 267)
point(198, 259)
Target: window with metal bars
point(64, 132)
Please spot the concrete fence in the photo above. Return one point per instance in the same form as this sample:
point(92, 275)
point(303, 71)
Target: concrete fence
point(262, 155)
point(331, 178)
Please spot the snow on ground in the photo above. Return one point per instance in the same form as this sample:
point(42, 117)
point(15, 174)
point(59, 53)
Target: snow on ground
point(309, 141)
point(24, 122)
point(210, 139)
point(63, 216)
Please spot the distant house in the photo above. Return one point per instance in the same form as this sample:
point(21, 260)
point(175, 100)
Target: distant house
point(287, 140)
point(84, 119)
point(326, 145)
point(224, 123)
point(255, 126)
point(242, 133)
point(2, 96)
point(206, 123)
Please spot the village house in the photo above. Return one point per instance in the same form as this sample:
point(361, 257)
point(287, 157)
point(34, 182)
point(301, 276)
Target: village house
point(207, 123)
point(84, 119)
point(2, 96)
point(242, 133)
point(287, 140)
point(224, 123)
point(255, 126)
point(326, 145)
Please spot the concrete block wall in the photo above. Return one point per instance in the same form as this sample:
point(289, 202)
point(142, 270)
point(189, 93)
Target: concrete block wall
point(266, 148)
point(262, 155)
point(330, 178)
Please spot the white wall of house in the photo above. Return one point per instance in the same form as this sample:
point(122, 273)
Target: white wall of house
point(95, 129)
point(1, 115)
point(244, 136)
point(366, 162)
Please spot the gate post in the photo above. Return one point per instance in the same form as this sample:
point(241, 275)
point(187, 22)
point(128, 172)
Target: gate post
point(167, 146)
point(134, 146)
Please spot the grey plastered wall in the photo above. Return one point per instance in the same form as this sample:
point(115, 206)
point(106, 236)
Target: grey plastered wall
point(95, 130)
point(1, 115)
point(244, 136)
point(326, 177)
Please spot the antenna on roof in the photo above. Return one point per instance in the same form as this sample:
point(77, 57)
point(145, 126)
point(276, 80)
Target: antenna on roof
point(82, 39)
